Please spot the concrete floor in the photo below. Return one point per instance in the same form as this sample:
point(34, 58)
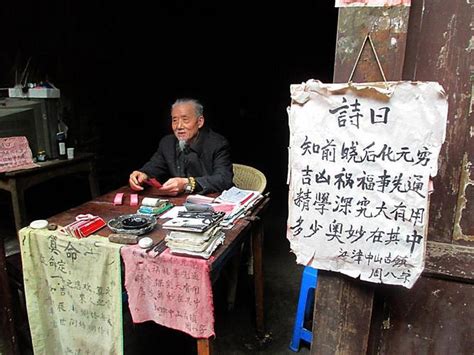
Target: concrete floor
point(235, 329)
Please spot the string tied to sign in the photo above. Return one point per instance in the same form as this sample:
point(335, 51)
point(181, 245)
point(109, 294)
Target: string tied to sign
point(368, 38)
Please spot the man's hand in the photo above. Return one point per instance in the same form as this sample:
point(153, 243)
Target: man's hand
point(173, 186)
point(136, 180)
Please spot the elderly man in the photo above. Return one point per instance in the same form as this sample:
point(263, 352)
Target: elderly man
point(193, 160)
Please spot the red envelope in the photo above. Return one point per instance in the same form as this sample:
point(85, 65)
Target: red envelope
point(84, 226)
point(153, 182)
point(91, 227)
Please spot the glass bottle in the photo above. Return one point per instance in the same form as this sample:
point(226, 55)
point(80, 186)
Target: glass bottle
point(41, 156)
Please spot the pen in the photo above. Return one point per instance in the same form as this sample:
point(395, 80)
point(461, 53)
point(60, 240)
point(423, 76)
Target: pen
point(154, 245)
point(161, 247)
point(246, 199)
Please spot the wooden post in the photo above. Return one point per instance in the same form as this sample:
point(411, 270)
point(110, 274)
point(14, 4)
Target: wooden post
point(343, 306)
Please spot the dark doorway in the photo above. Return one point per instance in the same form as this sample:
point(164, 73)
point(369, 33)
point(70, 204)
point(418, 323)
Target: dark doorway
point(120, 66)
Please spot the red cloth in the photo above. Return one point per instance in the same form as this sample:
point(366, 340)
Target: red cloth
point(15, 154)
point(174, 291)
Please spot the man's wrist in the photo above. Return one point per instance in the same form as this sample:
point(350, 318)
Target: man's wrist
point(190, 185)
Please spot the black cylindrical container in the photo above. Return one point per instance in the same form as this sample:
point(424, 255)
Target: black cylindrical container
point(61, 139)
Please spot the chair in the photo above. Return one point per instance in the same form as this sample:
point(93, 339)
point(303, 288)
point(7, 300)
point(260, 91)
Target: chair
point(249, 178)
point(309, 281)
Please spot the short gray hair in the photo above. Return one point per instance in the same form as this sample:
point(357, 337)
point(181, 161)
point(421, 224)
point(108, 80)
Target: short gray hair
point(198, 107)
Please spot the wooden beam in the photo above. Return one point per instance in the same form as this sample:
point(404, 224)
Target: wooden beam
point(342, 315)
point(388, 30)
point(343, 306)
point(449, 261)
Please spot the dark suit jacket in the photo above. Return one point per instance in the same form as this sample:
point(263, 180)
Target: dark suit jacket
point(207, 160)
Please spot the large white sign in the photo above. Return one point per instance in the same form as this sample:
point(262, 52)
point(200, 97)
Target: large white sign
point(360, 161)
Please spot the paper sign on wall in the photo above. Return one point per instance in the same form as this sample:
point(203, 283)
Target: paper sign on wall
point(360, 160)
point(372, 3)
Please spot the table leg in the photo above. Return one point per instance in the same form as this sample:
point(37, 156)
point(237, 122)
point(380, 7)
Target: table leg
point(257, 250)
point(7, 327)
point(94, 186)
point(204, 346)
point(18, 203)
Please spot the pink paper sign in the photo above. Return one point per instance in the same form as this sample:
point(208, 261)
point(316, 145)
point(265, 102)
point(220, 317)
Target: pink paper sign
point(15, 154)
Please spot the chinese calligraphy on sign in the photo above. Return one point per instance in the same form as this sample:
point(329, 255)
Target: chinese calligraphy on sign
point(174, 291)
point(73, 293)
point(359, 166)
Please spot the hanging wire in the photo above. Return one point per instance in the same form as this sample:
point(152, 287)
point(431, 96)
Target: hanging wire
point(368, 38)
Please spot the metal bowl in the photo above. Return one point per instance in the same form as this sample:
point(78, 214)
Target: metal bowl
point(132, 224)
point(135, 222)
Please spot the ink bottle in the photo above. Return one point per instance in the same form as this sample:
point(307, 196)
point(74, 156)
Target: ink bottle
point(41, 156)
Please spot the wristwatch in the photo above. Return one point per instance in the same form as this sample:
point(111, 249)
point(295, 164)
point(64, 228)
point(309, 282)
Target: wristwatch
point(190, 186)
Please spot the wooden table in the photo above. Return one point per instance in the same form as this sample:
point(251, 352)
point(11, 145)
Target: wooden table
point(17, 182)
point(248, 227)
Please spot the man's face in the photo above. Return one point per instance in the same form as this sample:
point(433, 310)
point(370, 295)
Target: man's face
point(184, 121)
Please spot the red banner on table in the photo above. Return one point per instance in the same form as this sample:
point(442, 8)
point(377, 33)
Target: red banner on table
point(174, 291)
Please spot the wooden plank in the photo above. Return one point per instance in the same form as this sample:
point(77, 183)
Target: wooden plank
point(343, 306)
point(449, 260)
point(342, 311)
point(434, 317)
point(389, 32)
point(438, 49)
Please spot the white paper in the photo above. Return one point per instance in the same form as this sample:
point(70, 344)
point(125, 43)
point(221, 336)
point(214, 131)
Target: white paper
point(236, 195)
point(173, 212)
point(359, 167)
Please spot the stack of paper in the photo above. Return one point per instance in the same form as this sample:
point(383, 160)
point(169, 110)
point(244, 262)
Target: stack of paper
point(195, 244)
point(199, 199)
point(237, 196)
point(194, 221)
point(235, 203)
point(243, 201)
point(209, 203)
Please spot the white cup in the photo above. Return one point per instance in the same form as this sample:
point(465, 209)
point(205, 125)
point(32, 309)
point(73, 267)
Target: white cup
point(70, 153)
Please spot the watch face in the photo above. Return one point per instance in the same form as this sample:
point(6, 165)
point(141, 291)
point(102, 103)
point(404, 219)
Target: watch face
point(187, 188)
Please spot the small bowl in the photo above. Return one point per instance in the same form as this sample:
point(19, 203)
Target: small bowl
point(132, 224)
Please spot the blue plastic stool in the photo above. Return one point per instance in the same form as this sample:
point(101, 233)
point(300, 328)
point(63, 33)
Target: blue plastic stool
point(305, 306)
